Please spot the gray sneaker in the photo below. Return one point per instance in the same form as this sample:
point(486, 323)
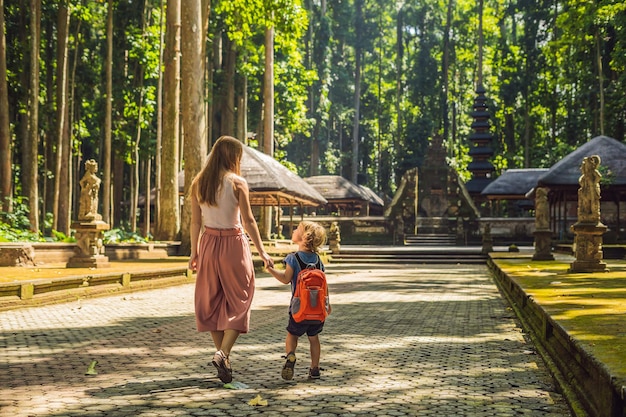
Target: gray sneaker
point(290, 363)
point(314, 373)
point(222, 364)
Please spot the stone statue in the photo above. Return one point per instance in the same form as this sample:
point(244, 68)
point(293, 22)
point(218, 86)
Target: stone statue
point(334, 238)
point(542, 211)
point(89, 189)
point(588, 230)
point(90, 250)
point(335, 234)
point(543, 235)
point(589, 191)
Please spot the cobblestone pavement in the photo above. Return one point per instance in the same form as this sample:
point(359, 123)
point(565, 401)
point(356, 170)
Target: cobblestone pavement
point(402, 341)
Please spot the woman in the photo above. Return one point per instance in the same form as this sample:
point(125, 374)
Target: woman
point(220, 253)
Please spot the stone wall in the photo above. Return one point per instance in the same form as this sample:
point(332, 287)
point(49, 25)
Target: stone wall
point(379, 231)
point(505, 231)
point(370, 230)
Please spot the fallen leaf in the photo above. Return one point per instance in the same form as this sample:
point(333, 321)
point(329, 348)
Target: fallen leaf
point(91, 370)
point(257, 401)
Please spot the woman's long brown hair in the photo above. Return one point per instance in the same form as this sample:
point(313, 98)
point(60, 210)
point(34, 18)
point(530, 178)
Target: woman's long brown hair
point(224, 157)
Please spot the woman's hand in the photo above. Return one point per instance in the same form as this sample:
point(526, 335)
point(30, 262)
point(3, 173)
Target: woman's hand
point(193, 263)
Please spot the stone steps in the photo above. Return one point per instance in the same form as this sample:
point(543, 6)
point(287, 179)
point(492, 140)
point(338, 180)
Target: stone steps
point(430, 240)
point(410, 255)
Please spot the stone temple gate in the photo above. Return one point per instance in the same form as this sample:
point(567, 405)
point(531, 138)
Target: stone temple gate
point(431, 200)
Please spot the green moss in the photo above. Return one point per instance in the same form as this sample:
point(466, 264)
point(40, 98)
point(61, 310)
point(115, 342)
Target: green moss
point(590, 306)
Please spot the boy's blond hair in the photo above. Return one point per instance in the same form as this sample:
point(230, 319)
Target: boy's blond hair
point(313, 235)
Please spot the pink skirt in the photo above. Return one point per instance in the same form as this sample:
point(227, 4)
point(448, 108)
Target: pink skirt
point(224, 282)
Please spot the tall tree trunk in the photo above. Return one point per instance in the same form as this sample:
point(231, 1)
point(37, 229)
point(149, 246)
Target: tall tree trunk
point(69, 164)
point(354, 170)
point(215, 100)
point(148, 200)
point(65, 190)
point(192, 103)
point(268, 93)
point(445, 68)
point(136, 176)
point(600, 79)
point(208, 94)
point(6, 177)
point(169, 208)
point(357, 92)
point(31, 151)
point(21, 130)
point(314, 89)
point(228, 108)
point(399, 83)
point(242, 111)
point(268, 119)
point(134, 184)
point(480, 42)
point(108, 115)
point(117, 192)
point(379, 108)
point(48, 135)
point(61, 113)
point(159, 122)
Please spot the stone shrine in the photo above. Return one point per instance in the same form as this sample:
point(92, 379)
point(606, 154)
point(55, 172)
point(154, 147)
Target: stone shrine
point(430, 199)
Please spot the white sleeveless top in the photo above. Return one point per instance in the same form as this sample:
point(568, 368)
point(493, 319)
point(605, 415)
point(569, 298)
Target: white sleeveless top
point(226, 214)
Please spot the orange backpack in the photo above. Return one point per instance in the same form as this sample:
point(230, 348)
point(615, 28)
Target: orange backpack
point(310, 302)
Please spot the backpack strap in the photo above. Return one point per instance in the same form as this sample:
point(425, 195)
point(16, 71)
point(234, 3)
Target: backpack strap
point(304, 266)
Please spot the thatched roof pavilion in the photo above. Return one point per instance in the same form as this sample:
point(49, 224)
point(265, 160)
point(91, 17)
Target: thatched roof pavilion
point(270, 183)
point(566, 172)
point(513, 184)
point(346, 197)
point(562, 180)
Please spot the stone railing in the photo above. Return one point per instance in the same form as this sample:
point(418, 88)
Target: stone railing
point(41, 291)
point(29, 254)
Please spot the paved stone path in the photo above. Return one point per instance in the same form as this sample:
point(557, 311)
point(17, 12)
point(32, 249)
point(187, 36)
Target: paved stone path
point(402, 341)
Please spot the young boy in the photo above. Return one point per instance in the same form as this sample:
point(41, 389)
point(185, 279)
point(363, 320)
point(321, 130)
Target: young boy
point(309, 236)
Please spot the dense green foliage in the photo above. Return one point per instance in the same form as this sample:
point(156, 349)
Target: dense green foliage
point(554, 71)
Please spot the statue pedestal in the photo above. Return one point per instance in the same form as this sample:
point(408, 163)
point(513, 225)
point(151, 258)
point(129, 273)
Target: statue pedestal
point(89, 246)
point(487, 242)
point(334, 246)
point(588, 241)
point(543, 245)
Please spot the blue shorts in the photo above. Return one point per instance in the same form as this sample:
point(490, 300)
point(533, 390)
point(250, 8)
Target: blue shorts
point(298, 329)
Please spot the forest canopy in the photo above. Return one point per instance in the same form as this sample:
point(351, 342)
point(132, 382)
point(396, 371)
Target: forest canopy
point(354, 88)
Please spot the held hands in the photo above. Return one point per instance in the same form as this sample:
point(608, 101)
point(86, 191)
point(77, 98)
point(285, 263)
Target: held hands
point(267, 260)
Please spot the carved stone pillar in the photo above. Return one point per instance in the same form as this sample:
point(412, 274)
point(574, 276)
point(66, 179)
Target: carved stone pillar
point(588, 244)
point(89, 247)
point(487, 240)
point(543, 245)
